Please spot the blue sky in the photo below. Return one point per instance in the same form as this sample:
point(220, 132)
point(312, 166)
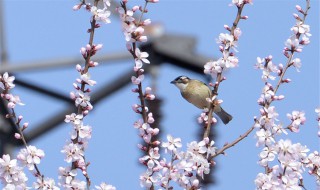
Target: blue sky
point(38, 30)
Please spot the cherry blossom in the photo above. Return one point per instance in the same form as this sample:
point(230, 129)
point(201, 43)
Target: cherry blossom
point(104, 186)
point(11, 175)
point(141, 58)
point(30, 156)
point(73, 152)
point(6, 81)
point(172, 144)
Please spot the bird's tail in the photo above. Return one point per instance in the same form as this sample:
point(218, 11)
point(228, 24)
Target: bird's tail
point(224, 116)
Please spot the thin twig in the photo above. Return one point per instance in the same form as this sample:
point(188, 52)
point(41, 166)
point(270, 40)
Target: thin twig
point(219, 75)
point(85, 70)
point(229, 145)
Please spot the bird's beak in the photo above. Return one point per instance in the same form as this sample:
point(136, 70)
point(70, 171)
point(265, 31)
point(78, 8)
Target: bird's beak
point(173, 82)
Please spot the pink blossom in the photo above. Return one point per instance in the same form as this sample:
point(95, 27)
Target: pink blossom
point(141, 57)
point(104, 186)
point(292, 44)
point(172, 144)
point(101, 14)
point(66, 176)
point(6, 81)
point(74, 118)
point(264, 137)
point(297, 118)
point(30, 156)
point(86, 79)
point(296, 63)
point(136, 80)
point(212, 68)
point(46, 183)
point(83, 100)
point(73, 152)
point(11, 173)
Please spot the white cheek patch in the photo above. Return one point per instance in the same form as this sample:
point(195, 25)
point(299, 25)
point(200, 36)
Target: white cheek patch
point(181, 86)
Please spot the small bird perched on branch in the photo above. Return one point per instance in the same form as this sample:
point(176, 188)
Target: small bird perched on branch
point(197, 93)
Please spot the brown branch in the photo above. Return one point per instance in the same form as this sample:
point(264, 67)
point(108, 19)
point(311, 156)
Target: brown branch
point(20, 130)
point(207, 129)
point(82, 88)
point(219, 75)
point(229, 145)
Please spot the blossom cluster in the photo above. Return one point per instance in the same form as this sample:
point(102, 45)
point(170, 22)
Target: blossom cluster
point(99, 13)
point(283, 161)
point(227, 46)
point(183, 167)
point(81, 133)
point(228, 60)
point(12, 175)
point(74, 149)
point(6, 84)
point(133, 30)
point(227, 42)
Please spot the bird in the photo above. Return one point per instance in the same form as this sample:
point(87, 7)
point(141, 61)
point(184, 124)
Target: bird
point(197, 92)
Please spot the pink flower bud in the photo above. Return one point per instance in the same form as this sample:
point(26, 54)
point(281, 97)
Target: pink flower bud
point(150, 97)
point(93, 64)
point(25, 125)
point(140, 146)
point(72, 95)
point(221, 48)
point(146, 138)
point(156, 143)
point(17, 136)
point(75, 86)
point(128, 46)
point(227, 27)
point(78, 68)
point(298, 8)
point(195, 183)
point(139, 30)
point(135, 8)
point(135, 108)
point(135, 90)
point(244, 17)
point(150, 120)
point(286, 80)
point(83, 51)
point(206, 140)
point(7, 96)
point(11, 105)
point(88, 47)
point(85, 112)
point(89, 107)
point(98, 47)
point(76, 7)
point(142, 39)
point(296, 16)
point(146, 22)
